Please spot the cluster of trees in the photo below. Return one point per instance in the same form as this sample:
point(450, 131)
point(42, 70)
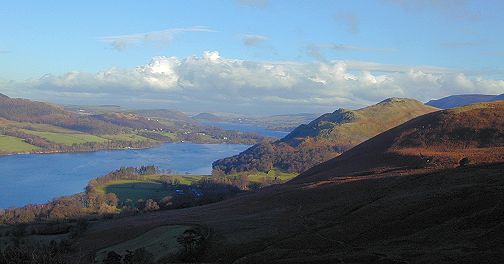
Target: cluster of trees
point(62, 209)
point(123, 173)
point(138, 256)
point(266, 156)
point(205, 191)
point(53, 253)
point(19, 245)
point(94, 202)
point(91, 202)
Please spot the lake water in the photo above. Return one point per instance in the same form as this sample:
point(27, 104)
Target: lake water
point(37, 178)
point(248, 128)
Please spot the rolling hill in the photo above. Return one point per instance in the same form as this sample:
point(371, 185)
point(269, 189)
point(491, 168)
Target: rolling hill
point(376, 203)
point(324, 138)
point(23, 110)
point(29, 126)
point(208, 117)
point(172, 116)
point(463, 100)
point(436, 140)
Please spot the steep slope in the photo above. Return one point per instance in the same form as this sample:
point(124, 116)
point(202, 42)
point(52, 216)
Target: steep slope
point(435, 140)
point(461, 100)
point(324, 138)
point(3, 95)
point(343, 212)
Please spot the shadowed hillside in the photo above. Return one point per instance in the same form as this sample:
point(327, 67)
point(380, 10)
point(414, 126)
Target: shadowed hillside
point(436, 140)
point(347, 211)
point(324, 138)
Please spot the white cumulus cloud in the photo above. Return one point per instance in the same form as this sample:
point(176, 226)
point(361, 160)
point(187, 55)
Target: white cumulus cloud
point(211, 82)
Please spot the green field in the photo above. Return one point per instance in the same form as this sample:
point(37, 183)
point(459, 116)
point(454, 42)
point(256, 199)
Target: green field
point(10, 144)
point(66, 138)
point(265, 177)
point(161, 241)
point(148, 188)
point(170, 135)
point(44, 128)
point(138, 190)
point(126, 137)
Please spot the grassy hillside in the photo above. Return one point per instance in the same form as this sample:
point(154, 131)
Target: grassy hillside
point(34, 137)
point(436, 140)
point(324, 138)
point(373, 204)
point(10, 144)
point(160, 241)
point(41, 127)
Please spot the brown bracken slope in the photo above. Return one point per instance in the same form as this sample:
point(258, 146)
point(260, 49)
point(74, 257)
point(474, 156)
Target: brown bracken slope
point(324, 138)
point(381, 202)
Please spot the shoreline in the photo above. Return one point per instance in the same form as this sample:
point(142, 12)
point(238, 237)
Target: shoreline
point(113, 149)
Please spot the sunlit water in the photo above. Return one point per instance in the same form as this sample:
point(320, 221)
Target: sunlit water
point(37, 178)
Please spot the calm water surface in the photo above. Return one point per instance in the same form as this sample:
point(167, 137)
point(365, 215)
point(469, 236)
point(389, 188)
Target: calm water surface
point(37, 178)
point(248, 128)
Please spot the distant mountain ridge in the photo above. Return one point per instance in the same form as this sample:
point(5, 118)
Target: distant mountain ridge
point(463, 100)
point(324, 138)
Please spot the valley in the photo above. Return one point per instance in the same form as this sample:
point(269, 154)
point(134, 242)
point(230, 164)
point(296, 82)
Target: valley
point(251, 132)
point(410, 185)
point(36, 127)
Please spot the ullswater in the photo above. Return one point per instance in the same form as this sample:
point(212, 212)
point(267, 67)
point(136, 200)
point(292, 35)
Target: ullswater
point(38, 178)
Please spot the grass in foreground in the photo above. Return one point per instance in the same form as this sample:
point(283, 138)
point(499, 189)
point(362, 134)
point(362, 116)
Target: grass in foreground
point(160, 241)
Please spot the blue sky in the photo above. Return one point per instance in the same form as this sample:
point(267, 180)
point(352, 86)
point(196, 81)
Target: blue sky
point(457, 45)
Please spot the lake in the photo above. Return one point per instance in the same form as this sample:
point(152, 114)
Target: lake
point(248, 128)
point(37, 178)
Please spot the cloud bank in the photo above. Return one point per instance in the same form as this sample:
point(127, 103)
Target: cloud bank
point(212, 83)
